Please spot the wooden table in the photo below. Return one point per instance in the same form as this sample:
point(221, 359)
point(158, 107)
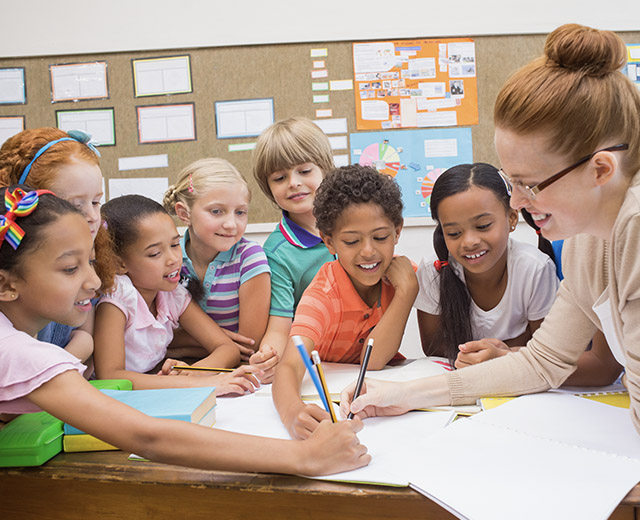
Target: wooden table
point(107, 485)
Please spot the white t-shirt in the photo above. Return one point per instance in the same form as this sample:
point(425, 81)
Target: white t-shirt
point(531, 289)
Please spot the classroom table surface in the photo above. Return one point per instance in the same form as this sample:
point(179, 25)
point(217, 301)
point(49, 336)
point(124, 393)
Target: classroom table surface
point(106, 484)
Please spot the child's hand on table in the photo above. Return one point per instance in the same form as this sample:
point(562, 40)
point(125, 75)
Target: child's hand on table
point(305, 420)
point(473, 352)
point(264, 362)
point(333, 448)
point(245, 344)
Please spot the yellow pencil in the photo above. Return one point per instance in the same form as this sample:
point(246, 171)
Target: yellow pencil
point(204, 369)
point(316, 361)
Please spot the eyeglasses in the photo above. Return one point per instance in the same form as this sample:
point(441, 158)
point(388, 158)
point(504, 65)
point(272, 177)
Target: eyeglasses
point(532, 191)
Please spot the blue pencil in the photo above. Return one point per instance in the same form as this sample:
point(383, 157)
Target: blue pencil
point(307, 363)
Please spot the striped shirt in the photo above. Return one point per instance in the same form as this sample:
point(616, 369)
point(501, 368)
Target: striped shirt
point(224, 276)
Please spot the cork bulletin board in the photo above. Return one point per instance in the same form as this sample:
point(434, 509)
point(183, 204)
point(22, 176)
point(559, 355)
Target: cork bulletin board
point(283, 73)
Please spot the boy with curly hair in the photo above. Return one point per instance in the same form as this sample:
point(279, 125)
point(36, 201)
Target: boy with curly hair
point(367, 293)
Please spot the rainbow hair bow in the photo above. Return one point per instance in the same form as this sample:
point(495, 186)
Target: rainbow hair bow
point(18, 204)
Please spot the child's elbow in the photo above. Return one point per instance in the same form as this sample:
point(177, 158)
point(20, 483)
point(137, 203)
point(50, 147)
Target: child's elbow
point(376, 364)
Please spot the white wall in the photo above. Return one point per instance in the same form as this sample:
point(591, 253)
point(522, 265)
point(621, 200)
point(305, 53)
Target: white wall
point(39, 27)
point(415, 242)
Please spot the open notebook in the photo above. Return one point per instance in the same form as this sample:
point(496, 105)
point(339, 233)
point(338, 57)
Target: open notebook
point(541, 456)
point(390, 440)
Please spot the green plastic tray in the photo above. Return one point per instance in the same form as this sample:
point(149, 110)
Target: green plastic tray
point(33, 438)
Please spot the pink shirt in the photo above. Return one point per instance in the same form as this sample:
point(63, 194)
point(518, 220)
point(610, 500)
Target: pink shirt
point(146, 336)
point(26, 365)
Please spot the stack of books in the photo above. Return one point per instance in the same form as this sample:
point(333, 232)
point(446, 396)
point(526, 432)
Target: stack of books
point(196, 405)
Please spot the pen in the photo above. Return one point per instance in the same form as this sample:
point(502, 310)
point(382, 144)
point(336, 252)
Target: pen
point(204, 369)
point(316, 359)
point(297, 340)
point(363, 370)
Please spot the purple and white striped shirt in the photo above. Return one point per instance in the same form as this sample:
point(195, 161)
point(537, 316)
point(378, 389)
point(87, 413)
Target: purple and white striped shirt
point(224, 276)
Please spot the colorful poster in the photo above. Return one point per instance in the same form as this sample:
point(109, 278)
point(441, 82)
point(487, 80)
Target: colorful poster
point(415, 83)
point(414, 158)
point(633, 63)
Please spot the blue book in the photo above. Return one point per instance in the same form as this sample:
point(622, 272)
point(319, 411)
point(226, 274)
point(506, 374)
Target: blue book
point(196, 405)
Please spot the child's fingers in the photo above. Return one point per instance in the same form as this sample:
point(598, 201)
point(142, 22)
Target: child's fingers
point(239, 338)
point(245, 351)
point(168, 363)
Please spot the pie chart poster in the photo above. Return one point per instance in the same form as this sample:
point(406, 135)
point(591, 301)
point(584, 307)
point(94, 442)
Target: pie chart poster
point(414, 158)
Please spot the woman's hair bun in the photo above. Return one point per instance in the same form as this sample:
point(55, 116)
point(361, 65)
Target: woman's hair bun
point(586, 50)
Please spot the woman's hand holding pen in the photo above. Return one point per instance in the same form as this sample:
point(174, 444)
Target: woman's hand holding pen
point(376, 398)
point(264, 362)
point(305, 420)
point(473, 352)
point(333, 448)
point(389, 398)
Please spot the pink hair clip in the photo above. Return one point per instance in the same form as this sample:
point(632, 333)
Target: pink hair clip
point(190, 183)
point(439, 264)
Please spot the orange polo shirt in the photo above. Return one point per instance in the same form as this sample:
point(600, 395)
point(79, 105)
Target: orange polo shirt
point(332, 314)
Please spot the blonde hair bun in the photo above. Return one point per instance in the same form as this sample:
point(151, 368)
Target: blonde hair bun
point(585, 50)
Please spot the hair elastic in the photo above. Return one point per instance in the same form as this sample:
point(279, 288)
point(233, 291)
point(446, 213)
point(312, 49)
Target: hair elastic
point(439, 264)
point(18, 204)
point(74, 135)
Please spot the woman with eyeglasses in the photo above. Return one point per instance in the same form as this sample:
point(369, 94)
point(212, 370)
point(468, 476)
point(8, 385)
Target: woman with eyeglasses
point(568, 138)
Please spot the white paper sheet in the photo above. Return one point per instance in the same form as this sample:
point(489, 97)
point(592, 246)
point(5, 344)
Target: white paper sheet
point(535, 450)
point(79, 81)
point(166, 123)
point(243, 118)
point(341, 160)
point(374, 110)
point(12, 86)
point(448, 118)
point(143, 162)
point(97, 123)
point(441, 148)
point(162, 75)
point(338, 142)
point(253, 415)
point(152, 187)
point(333, 126)
point(374, 57)
point(10, 126)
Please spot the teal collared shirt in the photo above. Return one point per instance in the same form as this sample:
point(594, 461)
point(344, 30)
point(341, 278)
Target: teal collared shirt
point(295, 256)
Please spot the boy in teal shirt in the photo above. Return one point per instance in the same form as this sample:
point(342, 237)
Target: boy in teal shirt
point(290, 160)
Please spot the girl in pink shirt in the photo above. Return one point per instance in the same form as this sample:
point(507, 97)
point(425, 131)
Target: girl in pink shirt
point(135, 323)
point(46, 274)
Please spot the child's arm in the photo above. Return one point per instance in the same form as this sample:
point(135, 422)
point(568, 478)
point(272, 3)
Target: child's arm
point(428, 325)
point(255, 300)
point(277, 334)
point(299, 418)
point(81, 339)
point(390, 329)
point(474, 352)
point(109, 358)
point(206, 332)
point(332, 448)
point(597, 366)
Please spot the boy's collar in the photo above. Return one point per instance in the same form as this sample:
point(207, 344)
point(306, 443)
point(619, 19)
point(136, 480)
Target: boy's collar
point(297, 235)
